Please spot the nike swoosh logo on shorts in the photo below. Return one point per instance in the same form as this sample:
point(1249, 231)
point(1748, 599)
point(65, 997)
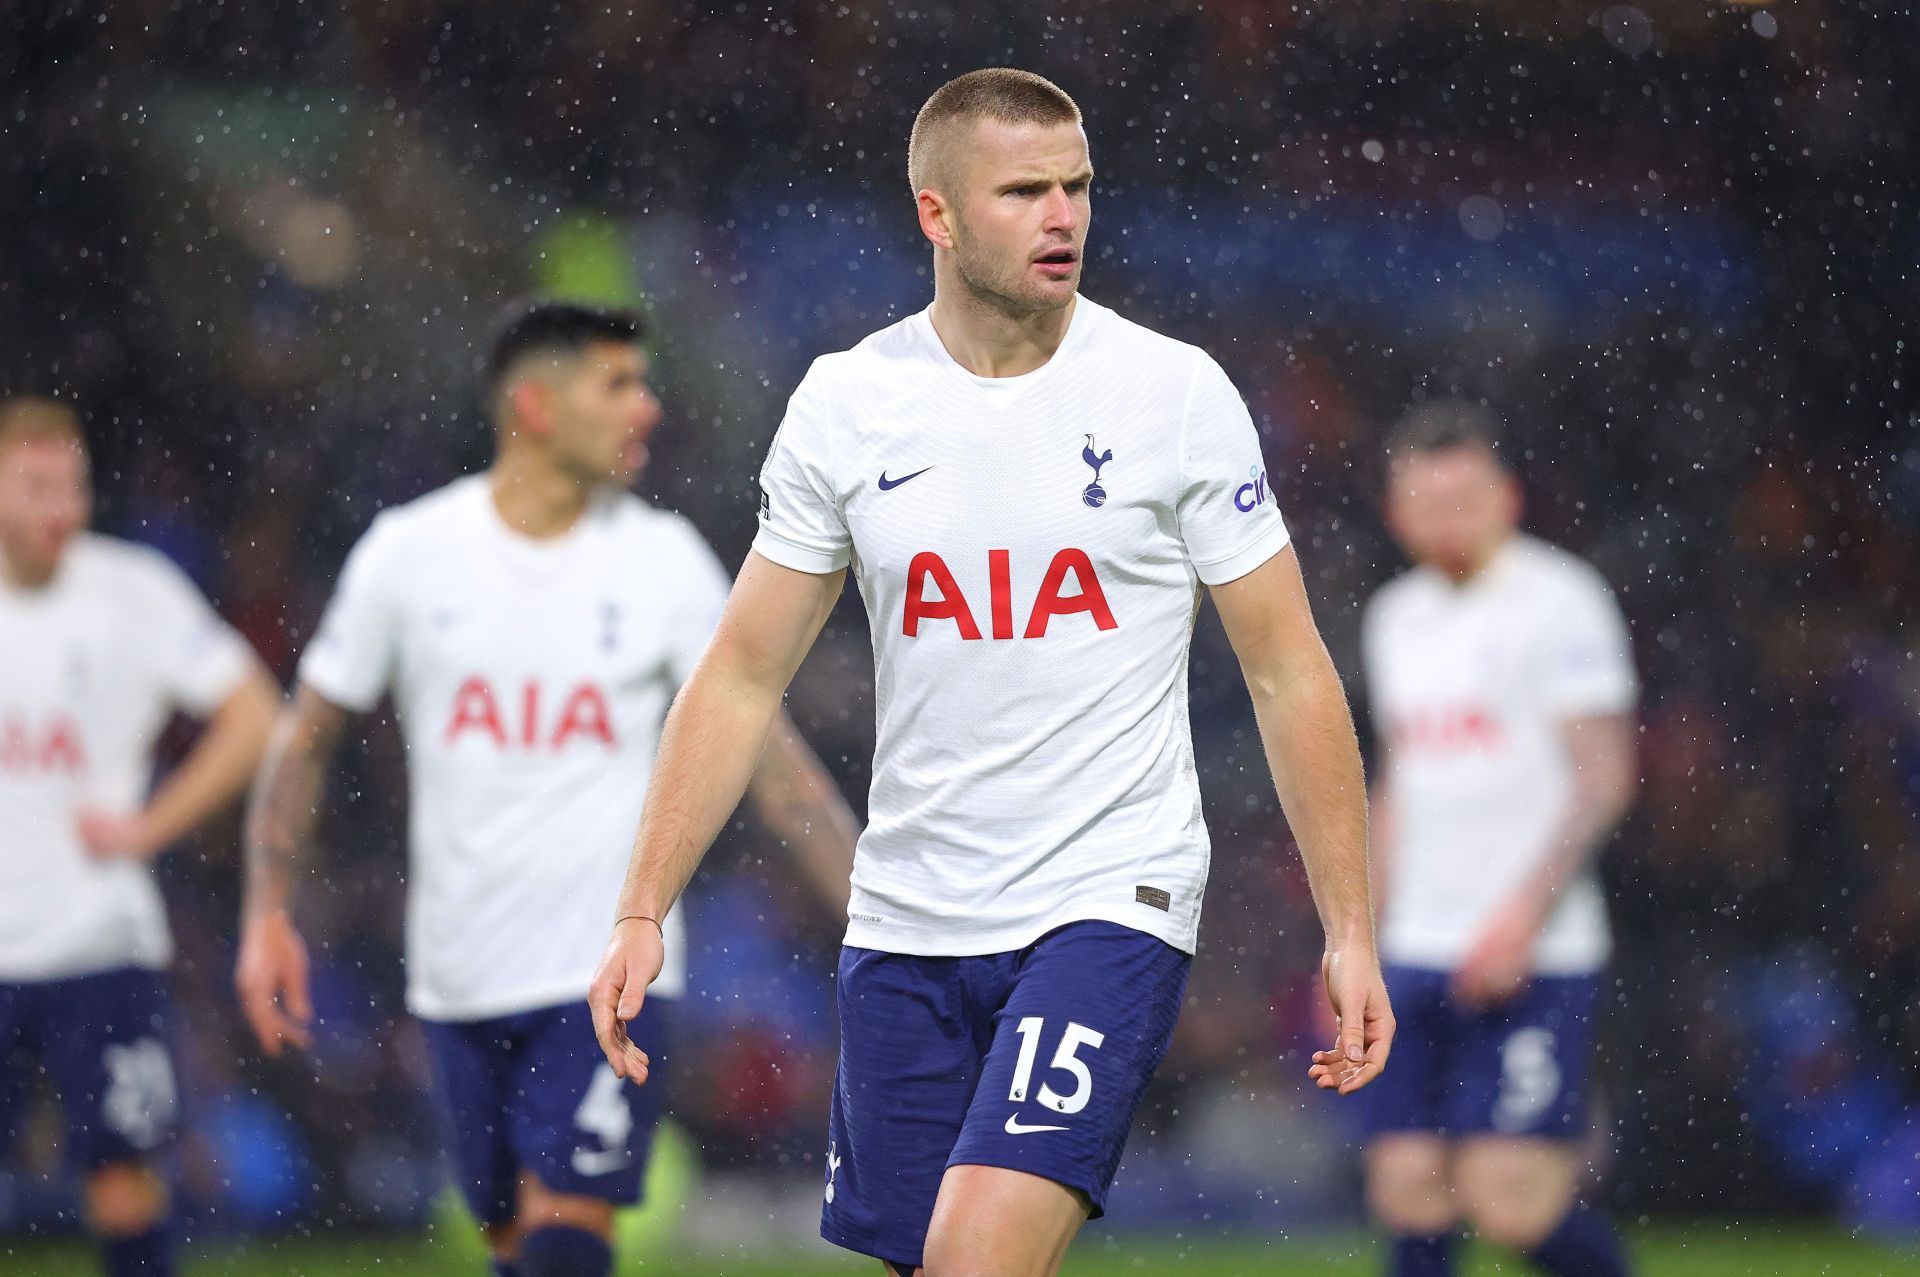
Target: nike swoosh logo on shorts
point(587, 1161)
point(888, 485)
point(1016, 1127)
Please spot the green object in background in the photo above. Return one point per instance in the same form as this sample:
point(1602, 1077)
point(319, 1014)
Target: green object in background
point(585, 257)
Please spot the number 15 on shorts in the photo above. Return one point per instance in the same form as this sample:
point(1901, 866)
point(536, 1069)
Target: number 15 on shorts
point(1066, 1058)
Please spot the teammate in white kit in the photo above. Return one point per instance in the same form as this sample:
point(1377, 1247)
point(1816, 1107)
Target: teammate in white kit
point(532, 623)
point(1503, 688)
point(1031, 491)
point(101, 643)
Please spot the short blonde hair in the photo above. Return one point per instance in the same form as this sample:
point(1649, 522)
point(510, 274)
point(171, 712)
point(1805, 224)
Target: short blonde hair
point(993, 93)
point(34, 419)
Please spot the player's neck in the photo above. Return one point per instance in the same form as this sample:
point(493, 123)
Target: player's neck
point(535, 500)
point(24, 574)
point(988, 342)
point(1475, 567)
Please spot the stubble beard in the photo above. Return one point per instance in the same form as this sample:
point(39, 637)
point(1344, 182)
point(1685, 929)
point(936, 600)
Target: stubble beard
point(1002, 292)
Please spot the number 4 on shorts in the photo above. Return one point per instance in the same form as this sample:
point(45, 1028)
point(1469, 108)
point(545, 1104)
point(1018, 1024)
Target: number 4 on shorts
point(1067, 1057)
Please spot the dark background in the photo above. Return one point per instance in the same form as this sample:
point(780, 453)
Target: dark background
point(1672, 247)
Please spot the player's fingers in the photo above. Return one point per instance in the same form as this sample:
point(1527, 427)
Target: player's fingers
point(602, 1000)
point(1352, 1041)
point(633, 991)
point(261, 1020)
point(297, 994)
point(1358, 1075)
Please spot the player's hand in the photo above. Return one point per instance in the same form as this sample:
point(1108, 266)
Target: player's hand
point(1500, 963)
point(271, 977)
point(111, 836)
point(1357, 993)
point(627, 969)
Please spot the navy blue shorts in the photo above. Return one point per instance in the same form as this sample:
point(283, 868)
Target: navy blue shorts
point(1033, 1060)
point(1517, 1069)
point(532, 1092)
point(102, 1042)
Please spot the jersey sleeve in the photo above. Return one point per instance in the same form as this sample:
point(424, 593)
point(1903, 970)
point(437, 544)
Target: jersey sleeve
point(1229, 517)
point(351, 658)
point(802, 525)
point(200, 659)
point(1587, 662)
point(703, 596)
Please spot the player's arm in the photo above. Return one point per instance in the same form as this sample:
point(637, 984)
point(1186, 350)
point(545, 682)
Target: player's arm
point(1382, 825)
point(271, 975)
point(711, 743)
point(1605, 775)
point(1308, 733)
point(1600, 748)
point(211, 775)
point(796, 798)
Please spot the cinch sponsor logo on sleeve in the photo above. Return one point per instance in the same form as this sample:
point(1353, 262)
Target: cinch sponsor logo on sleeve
point(1252, 493)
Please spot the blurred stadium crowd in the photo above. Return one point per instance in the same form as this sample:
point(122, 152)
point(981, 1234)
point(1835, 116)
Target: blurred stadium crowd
point(1672, 246)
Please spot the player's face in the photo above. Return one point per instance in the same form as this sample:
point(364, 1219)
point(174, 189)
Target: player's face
point(603, 414)
point(1020, 218)
point(44, 501)
point(1451, 508)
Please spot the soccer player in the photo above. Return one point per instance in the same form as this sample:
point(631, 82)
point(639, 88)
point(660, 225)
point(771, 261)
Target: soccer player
point(1502, 684)
point(103, 642)
point(1031, 491)
point(532, 622)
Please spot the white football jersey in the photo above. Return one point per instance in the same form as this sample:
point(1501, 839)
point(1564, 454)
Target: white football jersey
point(94, 665)
point(1030, 550)
point(1471, 687)
point(531, 678)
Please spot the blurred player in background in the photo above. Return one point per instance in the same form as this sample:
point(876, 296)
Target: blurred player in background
point(533, 623)
point(1031, 491)
point(1503, 688)
point(101, 643)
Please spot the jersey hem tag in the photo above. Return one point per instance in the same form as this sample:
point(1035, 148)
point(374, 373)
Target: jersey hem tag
point(1153, 896)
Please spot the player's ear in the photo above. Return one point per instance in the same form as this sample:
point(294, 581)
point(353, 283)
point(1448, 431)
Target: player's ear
point(936, 219)
point(529, 406)
point(1513, 498)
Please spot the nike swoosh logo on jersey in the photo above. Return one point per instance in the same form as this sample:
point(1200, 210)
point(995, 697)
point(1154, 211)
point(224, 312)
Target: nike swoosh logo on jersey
point(888, 485)
point(1016, 1127)
point(588, 1161)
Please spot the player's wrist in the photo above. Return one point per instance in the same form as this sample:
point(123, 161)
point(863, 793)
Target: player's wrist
point(145, 838)
point(641, 919)
point(255, 910)
point(1354, 935)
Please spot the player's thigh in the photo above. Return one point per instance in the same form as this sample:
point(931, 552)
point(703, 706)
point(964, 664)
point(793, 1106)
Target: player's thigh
point(1515, 1191)
point(1409, 1188)
point(541, 1207)
point(471, 1061)
point(994, 1222)
point(102, 1039)
point(1522, 1068)
point(579, 1129)
point(911, 1047)
point(125, 1199)
point(1088, 1020)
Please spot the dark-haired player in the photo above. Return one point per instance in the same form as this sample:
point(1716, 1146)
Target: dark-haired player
point(1031, 491)
point(1503, 687)
point(101, 643)
point(532, 623)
